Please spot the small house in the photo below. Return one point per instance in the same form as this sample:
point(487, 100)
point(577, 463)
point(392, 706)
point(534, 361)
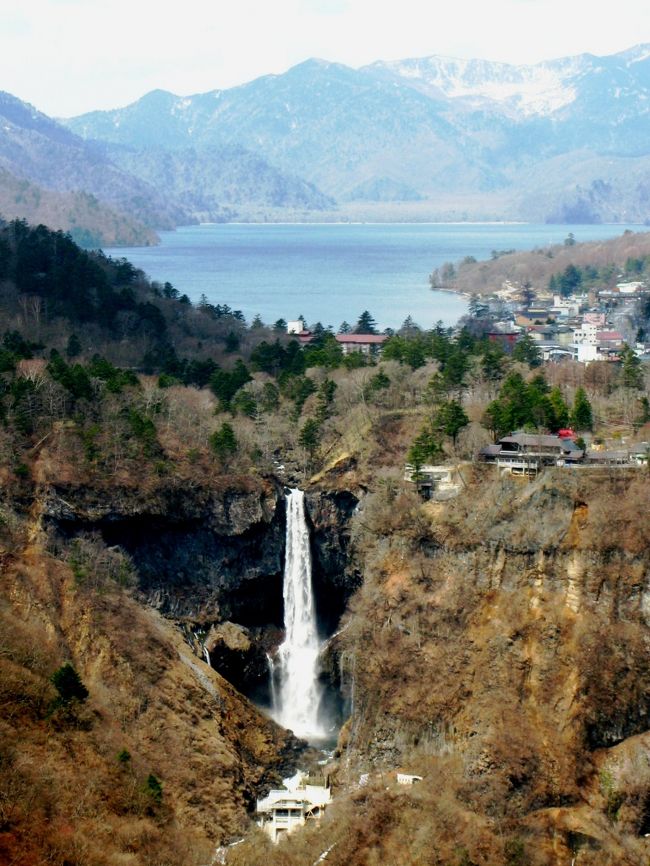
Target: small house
point(367, 344)
point(404, 778)
point(434, 482)
point(527, 453)
point(298, 331)
point(283, 810)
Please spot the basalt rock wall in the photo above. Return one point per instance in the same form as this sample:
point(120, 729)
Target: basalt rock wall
point(334, 578)
point(214, 552)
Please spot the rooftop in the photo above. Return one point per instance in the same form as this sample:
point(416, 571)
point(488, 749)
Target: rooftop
point(541, 440)
point(361, 338)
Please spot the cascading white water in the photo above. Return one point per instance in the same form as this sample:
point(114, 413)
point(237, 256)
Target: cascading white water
point(298, 696)
point(273, 691)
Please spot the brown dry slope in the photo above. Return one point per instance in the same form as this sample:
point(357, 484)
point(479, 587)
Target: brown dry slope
point(157, 766)
point(500, 645)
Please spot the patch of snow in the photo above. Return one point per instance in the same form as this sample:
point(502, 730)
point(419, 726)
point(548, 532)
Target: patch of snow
point(639, 58)
point(181, 105)
point(411, 72)
point(530, 90)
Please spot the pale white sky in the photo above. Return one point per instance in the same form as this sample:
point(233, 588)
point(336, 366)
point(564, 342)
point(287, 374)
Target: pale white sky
point(71, 56)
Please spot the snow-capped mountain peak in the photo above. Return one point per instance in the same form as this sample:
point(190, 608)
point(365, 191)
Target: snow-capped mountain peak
point(523, 90)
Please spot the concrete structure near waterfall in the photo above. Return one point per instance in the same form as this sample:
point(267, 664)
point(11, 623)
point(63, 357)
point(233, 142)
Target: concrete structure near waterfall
point(284, 810)
point(435, 482)
point(406, 778)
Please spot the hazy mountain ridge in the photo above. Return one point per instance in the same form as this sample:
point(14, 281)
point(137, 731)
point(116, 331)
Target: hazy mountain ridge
point(424, 138)
point(520, 91)
point(219, 184)
point(113, 196)
point(35, 148)
point(523, 90)
point(427, 129)
point(89, 222)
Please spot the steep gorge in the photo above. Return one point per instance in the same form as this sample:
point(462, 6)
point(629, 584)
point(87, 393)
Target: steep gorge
point(498, 644)
point(129, 582)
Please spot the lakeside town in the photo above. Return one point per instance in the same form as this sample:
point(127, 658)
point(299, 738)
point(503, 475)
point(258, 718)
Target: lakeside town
point(593, 326)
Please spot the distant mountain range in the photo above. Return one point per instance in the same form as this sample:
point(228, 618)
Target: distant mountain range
point(114, 195)
point(433, 138)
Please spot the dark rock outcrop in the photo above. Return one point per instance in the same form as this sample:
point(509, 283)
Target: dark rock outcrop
point(239, 656)
point(202, 552)
point(214, 552)
point(334, 579)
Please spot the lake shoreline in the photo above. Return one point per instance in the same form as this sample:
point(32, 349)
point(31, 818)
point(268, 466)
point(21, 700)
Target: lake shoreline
point(332, 272)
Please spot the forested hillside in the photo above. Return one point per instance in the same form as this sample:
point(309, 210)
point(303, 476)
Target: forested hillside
point(604, 263)
point(50, 174)
point(89, 222)
point(494, 642)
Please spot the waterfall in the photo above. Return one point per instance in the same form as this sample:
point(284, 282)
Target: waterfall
point(272, 689)
point(299, 693)
point(206, 655)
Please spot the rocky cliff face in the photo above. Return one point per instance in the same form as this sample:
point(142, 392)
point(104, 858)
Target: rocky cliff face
point(215, 554)
point(508, 629)
point(498, 644)
point(201, 553)
point(161, 758)
point(334, 577)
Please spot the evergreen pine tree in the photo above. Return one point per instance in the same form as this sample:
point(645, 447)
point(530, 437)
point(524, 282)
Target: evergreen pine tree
point(224, 441)
point(68, 684)
point(582, 416)
point(560, 408)
point(631, 373)
point(365, 324)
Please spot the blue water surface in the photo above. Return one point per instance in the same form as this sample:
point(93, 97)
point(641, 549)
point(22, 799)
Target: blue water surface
point(331, 273)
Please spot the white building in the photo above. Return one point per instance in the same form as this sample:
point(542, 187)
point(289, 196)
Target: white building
point(586, 334)
point(296, 327)
point(407, 778)
point(434, 482)
point(592, 343)
point(630, 288)
point(585, 352)
point(282, 811)
point(566, 306)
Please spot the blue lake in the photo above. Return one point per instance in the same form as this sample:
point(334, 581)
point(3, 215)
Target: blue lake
point(331, 273)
